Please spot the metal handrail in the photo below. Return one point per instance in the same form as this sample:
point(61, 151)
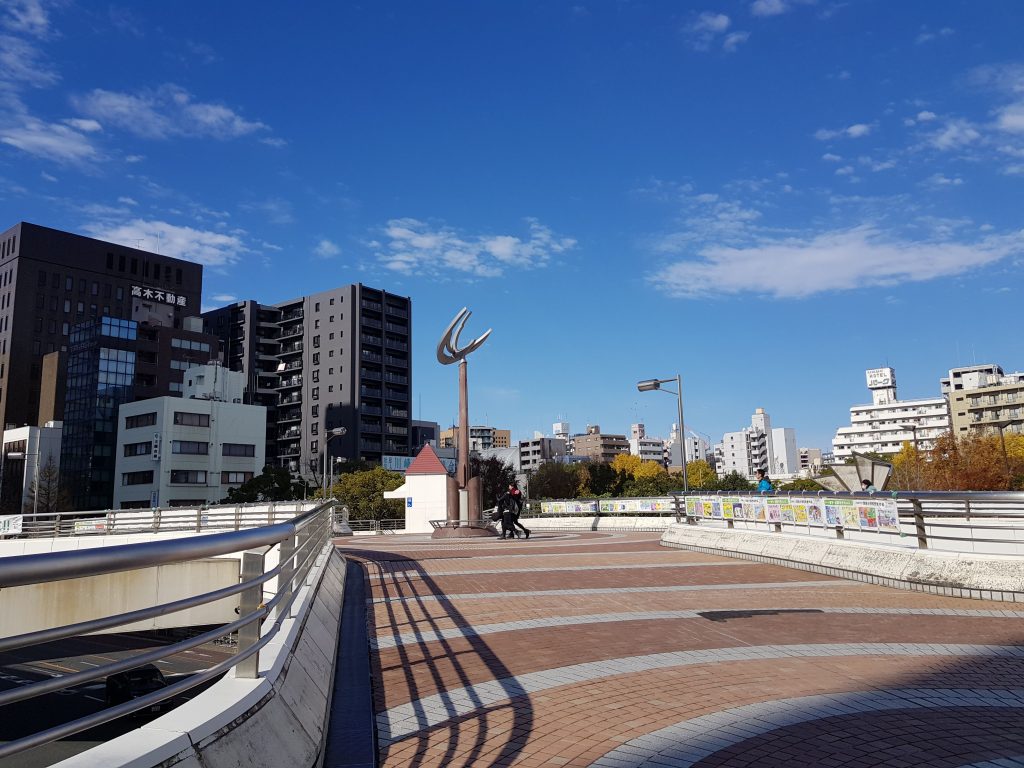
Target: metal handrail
point(311, 530)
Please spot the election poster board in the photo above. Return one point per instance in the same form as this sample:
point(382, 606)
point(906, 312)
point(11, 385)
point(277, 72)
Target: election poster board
point(552, 507)
point(581, 507)
point(10, 524)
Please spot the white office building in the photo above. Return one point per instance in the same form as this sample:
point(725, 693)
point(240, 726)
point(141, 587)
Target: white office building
point(785, 457)
point(539, 450)
point(753, 448)
point(26, 452)
point(186, 451)
point(646, 447)
point(883, 425)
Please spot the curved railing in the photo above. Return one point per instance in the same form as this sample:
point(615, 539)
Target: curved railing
point(300, 542)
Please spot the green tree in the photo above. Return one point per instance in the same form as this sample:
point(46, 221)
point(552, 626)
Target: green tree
point(495, 477)
point(554, 480)
point(599, 479)
point(45, 495)
point(800, 484)
point(734, 481)
point(699, 474)
point(363, 493)
point(273, 484)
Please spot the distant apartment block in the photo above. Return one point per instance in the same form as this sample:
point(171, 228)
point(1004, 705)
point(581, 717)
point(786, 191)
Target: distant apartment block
point(339, 358)
point(51, 281)
point(481, 438)
point(190, 450)
point(987, 401)
point(26, 452)
point(645, 447)
point(598, 446)
point(539, 450)
point(811, 461)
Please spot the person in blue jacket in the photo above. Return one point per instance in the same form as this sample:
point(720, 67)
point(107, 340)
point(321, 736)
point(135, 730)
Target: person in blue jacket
point(764, 485)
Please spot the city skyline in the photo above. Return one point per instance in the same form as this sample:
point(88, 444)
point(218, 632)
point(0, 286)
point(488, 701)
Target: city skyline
point(766, 197)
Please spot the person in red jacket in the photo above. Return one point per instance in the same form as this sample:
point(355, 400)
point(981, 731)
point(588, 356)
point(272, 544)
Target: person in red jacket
point(515, 498)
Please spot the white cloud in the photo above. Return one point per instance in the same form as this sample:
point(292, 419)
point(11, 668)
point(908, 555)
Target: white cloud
point(25, 16)
point(167, 112)
point(415, 247)
point(224, 298)
point(841, 260)
point(855, 131)
point(273, 141)
point(1011, 118)
point(876, 165)
point(956, 134)
point(50, 140)
point(925, 116)
point(941, 180)
point(86, 126)
point(46, 176)
point(126, 201)
point(202, 246)
point(705, 28)
point(325, 249)
point(828, 157)
point(276, 210)
point(769, 7)
point(927, 36)
point(734, 40)
point(846, 170)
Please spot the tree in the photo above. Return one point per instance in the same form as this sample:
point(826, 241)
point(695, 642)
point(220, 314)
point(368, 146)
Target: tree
point(554, 480)
point(45, 495)
point(627, 464)
point(699, 474)
point(801, 484)
point(495, 477)
point(649, 469)
point(363, 493)
point(599, 479)
point(734, 481)
point(273, 484)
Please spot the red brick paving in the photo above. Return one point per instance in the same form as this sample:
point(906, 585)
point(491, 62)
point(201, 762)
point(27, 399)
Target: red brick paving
point(576, 723)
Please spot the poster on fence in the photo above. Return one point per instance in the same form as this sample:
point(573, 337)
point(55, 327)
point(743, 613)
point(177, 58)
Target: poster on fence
point(552, 507)
point(692, 506)
point(773, 510)
point(732, 508)
point(581, 507)
point(657, 505)
point(888, 516)
point(10, 524)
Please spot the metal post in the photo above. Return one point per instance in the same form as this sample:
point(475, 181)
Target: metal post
point(1006, 459)
point(682, 430)
point(249, 601)
point(922, 533)
point(284, 580)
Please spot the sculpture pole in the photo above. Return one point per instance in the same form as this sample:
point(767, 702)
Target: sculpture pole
point(448, 352)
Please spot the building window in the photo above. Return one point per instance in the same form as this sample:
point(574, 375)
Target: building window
point(314, 446)
point(316, 393)
point(138, 449)
point(317, 307)
point(137, 478)
point(316, 358)
point(141, 420)
point(315, 411)
point(186, 419)
point(316, 341)
point(316, 374)
point(315, 429)
point(238, 449)
point(190, 446)
point(188, 476)
point(235, 478)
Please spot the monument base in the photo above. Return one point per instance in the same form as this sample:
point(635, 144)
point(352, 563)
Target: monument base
point(457, 529)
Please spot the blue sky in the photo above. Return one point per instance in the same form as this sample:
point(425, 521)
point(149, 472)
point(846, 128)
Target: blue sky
point(767, 196)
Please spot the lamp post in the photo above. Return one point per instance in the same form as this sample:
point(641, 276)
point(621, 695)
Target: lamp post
point(336, 432)
point(917, 453)
point(648, 385)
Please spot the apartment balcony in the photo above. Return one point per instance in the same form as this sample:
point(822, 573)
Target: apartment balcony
point(395, 395)
point(290, 331)
point(286, 416)
point(371, 410)
point(396, 328)
point(393, 430)
point(370, 392)
point(291, 349)
point(291, 449)
point(368, 339)
point(370, 445)
point(398, 362)
point(290, 433)
point(376, 305)
point(394, 378)
point(289, 383)
point(396, 447)
point(397, 312)
point(293, 365)
point(294, 314)
point(290, 400)
point(397, 413)
point(369, 322)
point(366, 426)
point(365, 374)
point(371, 357)
point(396, 344)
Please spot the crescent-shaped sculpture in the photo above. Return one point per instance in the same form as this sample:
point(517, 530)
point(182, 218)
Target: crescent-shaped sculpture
point(448, 351)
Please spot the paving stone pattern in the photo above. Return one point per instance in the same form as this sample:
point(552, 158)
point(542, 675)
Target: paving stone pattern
point(608, 649)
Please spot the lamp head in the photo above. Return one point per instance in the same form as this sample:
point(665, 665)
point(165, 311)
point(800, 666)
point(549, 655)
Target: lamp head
point(648, 385)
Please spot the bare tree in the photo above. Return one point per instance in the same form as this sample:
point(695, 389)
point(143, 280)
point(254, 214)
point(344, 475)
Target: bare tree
point(45, 494)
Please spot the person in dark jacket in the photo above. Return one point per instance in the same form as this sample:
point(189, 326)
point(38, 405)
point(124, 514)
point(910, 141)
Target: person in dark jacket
point(504, 508)
point(515, 497)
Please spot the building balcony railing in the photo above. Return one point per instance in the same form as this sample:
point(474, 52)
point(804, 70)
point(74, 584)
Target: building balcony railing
point(291, 330)
point(291, 432)
point(365, 374)
point(397, 413)
point(396, 311)
point(295, 314)
point(292, 381)
point(370, 392)
point(295, 398)
point(394, 378)
point(290, 349)
point(292, 365)
point(369, 322)
point(368, 339)
point(294, 415)
point(372, 357)
point(395, 395)
point(399, 362)
point(370, 445)
point(395, 344)
point(366, 426)
point(288, 449)
point(396, 447)
point(396, 328)
point(372, 305)
point(393, 430)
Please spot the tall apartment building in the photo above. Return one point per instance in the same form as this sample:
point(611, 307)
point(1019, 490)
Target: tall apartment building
point(190, 450)
point(112, 362)
point(539, 450)
point(481, 438)
point(52, 280)
point(785, 459)
point(598, 446)
point(749, 449)
point(339, 358)
point(647, 448)
point(811, 460)
point(887, 422)
point(987, 401)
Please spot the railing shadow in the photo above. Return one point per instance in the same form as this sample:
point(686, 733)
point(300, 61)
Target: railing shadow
point(401, 612)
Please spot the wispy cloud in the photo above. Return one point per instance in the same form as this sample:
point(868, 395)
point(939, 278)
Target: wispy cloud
point(325, 249)
point(182, 242)
point(166, 112)
point(776, 7)
point(939, 180)
point(855, 131)
point(411, 246)
point(926, 35)
point(709, 27)
point(955, 134)
point(276, 210)
point(840, 260)
point(49, 140)
point(734, 40)
point(224, 298)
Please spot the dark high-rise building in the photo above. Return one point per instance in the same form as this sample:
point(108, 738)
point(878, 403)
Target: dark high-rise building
point(340, 358)
point(112, 362)
point(52, 280)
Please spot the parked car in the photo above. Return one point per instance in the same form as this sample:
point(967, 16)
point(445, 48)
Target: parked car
point(135, 683)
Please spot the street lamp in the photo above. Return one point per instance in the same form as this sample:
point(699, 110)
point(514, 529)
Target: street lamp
point(649, 385)
point(917, 454)
point(336, 432)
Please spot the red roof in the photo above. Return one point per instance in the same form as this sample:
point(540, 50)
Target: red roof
point(426, 463)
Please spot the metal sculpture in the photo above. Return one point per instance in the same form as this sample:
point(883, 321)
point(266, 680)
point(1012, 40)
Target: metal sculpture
point(448, 352)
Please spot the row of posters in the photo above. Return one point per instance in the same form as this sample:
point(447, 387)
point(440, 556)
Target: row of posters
point(851, 514)
point(607, 506)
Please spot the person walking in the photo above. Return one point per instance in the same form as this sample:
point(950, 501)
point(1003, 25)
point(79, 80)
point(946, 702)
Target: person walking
point(504, 508)
point(764, 485)
point(515, 497)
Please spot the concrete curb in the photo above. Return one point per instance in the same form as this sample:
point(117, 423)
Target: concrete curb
point(953, 574)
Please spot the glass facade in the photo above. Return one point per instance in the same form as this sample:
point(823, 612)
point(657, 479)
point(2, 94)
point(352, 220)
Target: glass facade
point(101, 373)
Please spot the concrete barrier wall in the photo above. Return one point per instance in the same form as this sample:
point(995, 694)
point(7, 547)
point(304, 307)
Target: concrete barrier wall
point(277, 719)
point(955, 574)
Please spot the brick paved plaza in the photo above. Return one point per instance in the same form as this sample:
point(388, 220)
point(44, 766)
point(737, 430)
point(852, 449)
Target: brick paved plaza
point(608, 649)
